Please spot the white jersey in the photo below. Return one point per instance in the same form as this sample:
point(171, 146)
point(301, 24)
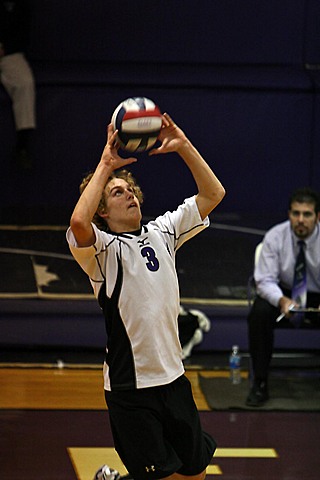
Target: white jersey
point(134, 278)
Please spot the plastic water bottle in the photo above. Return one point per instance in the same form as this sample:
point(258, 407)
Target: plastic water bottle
point(235, 365)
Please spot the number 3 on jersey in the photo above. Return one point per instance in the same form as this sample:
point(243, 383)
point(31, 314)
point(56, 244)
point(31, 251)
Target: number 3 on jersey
point(150, 255)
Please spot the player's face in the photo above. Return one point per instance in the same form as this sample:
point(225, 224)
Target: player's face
point(303, 219)
point(123, 213)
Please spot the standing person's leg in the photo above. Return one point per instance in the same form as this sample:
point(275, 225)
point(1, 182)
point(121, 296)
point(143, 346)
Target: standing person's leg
point(261, 324)
point(18, 80)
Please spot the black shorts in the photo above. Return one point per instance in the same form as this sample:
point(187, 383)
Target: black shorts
point(157, 431)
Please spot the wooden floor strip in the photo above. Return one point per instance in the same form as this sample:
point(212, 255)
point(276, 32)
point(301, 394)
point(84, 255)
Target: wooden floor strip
point(35, 387)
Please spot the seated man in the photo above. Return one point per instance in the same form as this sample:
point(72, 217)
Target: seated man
point(274, 276)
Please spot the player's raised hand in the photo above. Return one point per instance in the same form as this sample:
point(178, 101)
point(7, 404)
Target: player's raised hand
point(171, 136)
point(110, 155)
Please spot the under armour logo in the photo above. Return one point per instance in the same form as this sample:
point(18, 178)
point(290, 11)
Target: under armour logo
point(152, 468)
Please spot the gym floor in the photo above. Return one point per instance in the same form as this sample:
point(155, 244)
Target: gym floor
point(54, 423)
point(55, 426)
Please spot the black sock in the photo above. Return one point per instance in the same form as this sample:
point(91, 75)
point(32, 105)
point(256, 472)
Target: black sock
point(23, 149)
point(24, 138)
point(261, 383)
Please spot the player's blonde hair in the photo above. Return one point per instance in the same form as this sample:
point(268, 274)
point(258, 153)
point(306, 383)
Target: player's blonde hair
point(124, 175)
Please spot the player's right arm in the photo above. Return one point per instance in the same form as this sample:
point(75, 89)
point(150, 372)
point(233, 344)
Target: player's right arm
point(87, 205)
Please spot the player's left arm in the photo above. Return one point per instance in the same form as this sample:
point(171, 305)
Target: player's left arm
point(210, 189)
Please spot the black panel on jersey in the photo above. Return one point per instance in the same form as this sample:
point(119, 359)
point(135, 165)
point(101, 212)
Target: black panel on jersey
point(119, 354)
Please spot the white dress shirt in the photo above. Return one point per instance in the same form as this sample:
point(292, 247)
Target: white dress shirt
point(275, 267)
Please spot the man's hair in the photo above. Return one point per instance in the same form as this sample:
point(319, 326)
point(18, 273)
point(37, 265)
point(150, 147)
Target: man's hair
point(305, 195)
point(125, 175)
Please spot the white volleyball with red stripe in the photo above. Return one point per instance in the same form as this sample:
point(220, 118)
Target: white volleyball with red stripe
point(138, 121)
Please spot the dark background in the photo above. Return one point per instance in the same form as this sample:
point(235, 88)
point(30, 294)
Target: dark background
point(240, 77)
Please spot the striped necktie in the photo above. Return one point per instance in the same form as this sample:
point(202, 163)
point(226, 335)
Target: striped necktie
point(299, 289)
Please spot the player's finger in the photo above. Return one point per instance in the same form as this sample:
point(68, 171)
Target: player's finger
point(169, 120)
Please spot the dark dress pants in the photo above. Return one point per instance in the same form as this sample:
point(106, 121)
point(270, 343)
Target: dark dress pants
point(261, 324)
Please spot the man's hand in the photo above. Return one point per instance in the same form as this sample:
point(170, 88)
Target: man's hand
point(110, 156)
point(286, 304)
point(171, 137)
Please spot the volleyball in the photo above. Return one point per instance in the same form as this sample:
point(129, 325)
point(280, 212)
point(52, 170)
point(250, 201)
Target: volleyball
point(138, 121)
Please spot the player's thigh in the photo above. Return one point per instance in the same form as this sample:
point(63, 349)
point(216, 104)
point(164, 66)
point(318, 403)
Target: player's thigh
point(137, 429)
point(183, 430)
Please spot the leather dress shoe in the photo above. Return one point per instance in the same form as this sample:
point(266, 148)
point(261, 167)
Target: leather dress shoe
point(258, 395)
